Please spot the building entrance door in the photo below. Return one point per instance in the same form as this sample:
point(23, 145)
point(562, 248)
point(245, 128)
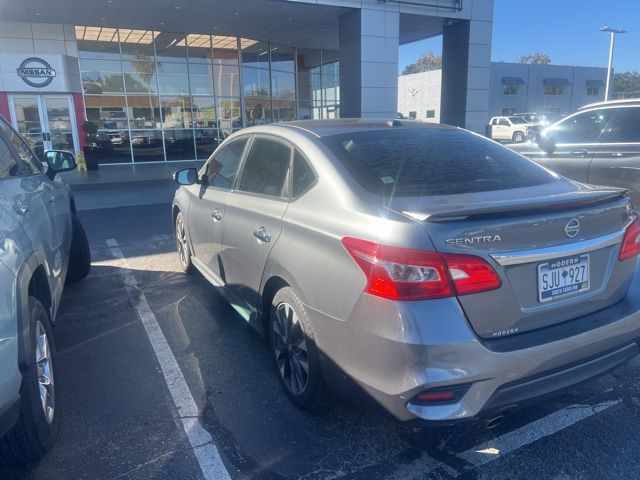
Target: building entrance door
point(47, 121)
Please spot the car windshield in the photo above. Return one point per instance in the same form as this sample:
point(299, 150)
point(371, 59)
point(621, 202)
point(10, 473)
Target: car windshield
point(517, 120)
point(432, 161)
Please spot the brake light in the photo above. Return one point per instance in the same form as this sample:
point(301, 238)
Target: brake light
point(406, 274)
point(631, 241)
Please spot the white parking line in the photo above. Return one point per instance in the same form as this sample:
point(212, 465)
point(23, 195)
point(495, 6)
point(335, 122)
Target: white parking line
point(201, 441)
point(532, 432)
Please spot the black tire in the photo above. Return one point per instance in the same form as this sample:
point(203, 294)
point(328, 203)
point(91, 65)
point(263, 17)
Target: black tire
point(518, 137)
point(182, 244)
point(313, 394)
point(33, 435)
point(80, 254)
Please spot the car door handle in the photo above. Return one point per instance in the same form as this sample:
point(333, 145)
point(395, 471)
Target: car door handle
point(216, 215)
point(20, 209)
point(580, 153)
point(262, 235)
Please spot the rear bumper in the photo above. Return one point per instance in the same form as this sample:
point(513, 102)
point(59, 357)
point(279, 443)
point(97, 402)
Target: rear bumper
point(387, 353)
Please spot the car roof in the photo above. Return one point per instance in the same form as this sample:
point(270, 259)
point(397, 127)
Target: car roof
point(324, 128)
point(612, 103)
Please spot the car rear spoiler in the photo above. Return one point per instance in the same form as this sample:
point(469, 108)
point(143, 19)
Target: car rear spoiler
point(525, 207)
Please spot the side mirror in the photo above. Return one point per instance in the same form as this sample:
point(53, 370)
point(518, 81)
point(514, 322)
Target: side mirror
point(59, 161)
point(186, 176)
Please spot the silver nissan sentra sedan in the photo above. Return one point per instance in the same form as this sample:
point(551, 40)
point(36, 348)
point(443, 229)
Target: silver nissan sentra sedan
point(418, 267)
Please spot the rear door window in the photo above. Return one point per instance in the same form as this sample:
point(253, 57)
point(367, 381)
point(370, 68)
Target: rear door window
point(303, 176)
point(434, 161)
point(266, 167)
point(625, 126)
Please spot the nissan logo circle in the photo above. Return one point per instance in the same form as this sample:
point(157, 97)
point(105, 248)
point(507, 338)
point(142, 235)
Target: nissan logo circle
point(36, 72)
point(572, 228)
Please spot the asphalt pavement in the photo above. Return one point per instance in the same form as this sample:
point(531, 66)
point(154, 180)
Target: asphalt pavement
point(138, 340)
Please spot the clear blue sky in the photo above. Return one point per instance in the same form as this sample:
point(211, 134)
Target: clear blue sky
point(566, 30)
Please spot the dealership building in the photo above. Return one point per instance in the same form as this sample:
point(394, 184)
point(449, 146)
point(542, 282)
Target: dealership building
point(513, 88)
point(167, 80)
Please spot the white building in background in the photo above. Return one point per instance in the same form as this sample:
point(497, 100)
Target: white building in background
point(513, 87)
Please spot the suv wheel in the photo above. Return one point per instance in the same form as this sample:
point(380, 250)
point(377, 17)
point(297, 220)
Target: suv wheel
point(518, 137)
point(80, 254)
point(182, 244)
point(38, 425)
point(294, 351)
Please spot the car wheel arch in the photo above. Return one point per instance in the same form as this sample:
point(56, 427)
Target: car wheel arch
point(32, 279)
point(274, 279)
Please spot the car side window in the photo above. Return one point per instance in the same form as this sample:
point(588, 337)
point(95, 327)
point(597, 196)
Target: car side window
point(266, 167)
point(19, 163)
point(625, 126)
point(222, 169)
point(587, 127)
point(503, 121)
point(302, 177)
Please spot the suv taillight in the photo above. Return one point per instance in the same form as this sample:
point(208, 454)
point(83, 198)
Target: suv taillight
point(406, 274)
point(631, 241)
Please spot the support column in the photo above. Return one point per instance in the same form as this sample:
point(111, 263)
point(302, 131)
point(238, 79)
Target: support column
point(369, 63)
point(466, 63)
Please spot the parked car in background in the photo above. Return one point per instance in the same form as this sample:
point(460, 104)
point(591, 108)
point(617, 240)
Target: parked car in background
point(534, 118)
point(512, 129)
point(599, 144)
point(417, 266)
point(42, 246)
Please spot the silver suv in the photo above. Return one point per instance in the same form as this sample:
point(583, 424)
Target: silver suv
point(42, 245)
point(421, 267)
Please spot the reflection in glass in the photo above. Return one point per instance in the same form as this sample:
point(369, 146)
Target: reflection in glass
point(176, 111)
point(256, 82)
point(201, 80)
point(147, 145)
point(144, 111)
point(282, 58)
point(206, 142)
point(137, 44)
point(229, 114)
point(179, 144)
point(204, 112)
point(112, 146)
point(257, 110)
point(283, 85)
point(308, 111)
point(284, 110)
point(254, 54)
point(226, 79)
point(108, 111)
point(59, 122)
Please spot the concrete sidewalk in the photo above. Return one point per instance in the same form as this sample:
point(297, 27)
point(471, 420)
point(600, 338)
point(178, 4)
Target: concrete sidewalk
point(119, 176)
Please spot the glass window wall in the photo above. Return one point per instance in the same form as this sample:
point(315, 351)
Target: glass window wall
point(158, 96)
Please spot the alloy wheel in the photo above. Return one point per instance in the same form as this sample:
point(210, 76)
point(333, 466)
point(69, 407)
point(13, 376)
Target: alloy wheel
point(290, 348)
point(44, 367)
point(181, 240)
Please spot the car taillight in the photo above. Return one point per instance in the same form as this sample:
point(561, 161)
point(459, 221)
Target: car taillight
point(631, 241)
point(406, 274)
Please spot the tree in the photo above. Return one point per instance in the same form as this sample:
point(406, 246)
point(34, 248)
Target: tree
point(535, 58)
point(425, 63)
point(626, 85)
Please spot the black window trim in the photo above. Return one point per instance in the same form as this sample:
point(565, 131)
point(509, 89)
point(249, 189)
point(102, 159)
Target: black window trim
point(282, 198)
point(315, 174)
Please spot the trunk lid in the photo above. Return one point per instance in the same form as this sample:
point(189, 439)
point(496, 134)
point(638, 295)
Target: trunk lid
point(526, 234)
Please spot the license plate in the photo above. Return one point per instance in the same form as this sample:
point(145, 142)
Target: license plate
point(563, 277)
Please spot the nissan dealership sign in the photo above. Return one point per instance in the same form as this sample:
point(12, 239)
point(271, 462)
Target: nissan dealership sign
point(36, 72)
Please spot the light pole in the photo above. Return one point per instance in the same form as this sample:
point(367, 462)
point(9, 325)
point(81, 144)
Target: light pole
point(612, 32)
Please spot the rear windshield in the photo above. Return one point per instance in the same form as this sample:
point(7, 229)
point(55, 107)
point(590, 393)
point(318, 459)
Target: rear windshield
point(413, 162)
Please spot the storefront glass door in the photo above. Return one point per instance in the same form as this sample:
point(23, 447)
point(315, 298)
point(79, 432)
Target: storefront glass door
point(45, 120)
